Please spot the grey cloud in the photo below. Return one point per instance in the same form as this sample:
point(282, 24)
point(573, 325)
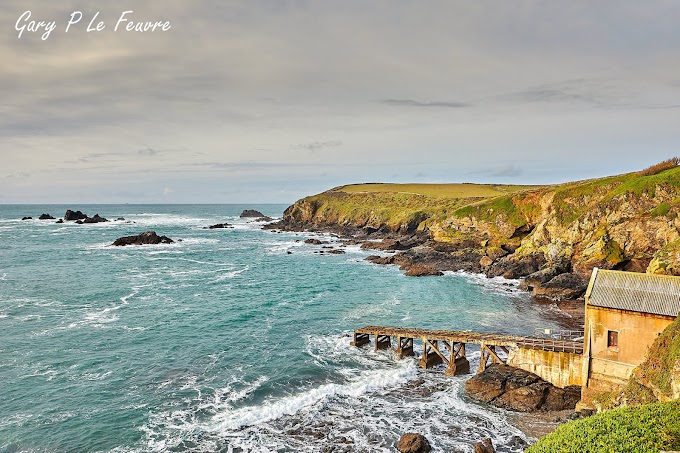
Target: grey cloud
point(412, 103)
point(316, 146)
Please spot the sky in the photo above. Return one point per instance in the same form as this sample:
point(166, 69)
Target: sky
point(260, 101)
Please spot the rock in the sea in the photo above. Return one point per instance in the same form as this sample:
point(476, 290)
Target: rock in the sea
point(315, 241)
point(515, 389)
point(95, 219)
point(219, 225)
point(264, 219)
point(120, 219)
point(60, 221)
point(27, 218)
point(422, 270)
point(336, 252)
point(251, 213)
point(77, 215)
point(46, 217)
point(485, 446)
point(413, 443)
point(148, 237)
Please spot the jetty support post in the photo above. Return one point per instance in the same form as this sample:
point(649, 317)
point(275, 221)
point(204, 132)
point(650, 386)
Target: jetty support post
point(360, 339)
point(404, 347)
point(431, 354)
point(488, 352)
point(382, 342)
point(457, 363)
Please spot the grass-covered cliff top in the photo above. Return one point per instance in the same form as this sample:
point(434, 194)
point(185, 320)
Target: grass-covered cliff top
point(461, 190)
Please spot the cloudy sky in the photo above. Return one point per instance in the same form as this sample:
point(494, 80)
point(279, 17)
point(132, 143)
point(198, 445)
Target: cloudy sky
point(268, 101)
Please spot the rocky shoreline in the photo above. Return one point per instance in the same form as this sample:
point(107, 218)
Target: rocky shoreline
point(418, 254)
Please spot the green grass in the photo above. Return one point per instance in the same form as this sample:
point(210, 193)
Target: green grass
point(462, 190)
point(639, 429)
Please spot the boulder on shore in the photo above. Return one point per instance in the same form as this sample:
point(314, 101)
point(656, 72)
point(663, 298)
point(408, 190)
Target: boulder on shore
point(148, 237)
point(77, 215)
point(413, 443)
point(251, 213)
point(422, 270)
point(95, 219)
point(46, 217)
point(515, 389)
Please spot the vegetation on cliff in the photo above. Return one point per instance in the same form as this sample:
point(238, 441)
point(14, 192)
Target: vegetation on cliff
point(641, 429)
point(627, 221)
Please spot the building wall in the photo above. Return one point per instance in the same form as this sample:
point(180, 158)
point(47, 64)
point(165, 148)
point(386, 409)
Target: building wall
point(610, 367)
point(559, 368)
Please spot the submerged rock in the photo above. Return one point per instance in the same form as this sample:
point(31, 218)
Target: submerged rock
point(251, 213)
point(60, 221)
point(46, 217)
point(413, 443)
point(148, 237)
point(515, 389)
point(77, 215)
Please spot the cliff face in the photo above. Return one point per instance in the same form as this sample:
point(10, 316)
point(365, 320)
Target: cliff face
point(553, 235)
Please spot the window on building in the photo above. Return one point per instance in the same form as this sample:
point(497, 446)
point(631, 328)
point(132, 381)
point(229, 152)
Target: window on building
point(612, 339)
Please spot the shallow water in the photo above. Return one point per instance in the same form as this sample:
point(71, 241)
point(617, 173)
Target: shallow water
point(225, 341)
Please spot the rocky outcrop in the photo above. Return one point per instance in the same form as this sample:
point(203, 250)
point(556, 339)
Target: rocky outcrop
point(422, 270)
point(96, 219)
point(251, 213)
point(146, 238)
point(413, 443)
point(60, 221)
point(515, 389)
point(565, 286)
point(77, 215)
point(219, 226)
point(264, 219)
point(27, 218)
point(315, 241)
point(45, 217)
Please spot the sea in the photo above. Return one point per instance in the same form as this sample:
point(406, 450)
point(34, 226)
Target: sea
point(228, 340)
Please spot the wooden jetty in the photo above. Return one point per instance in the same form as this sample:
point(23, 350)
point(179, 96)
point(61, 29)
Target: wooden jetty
point(448, 346)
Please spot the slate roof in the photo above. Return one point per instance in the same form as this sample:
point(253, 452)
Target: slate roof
point(645, 293)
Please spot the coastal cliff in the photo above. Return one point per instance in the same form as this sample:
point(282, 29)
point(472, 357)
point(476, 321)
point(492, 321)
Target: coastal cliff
point(551, 235)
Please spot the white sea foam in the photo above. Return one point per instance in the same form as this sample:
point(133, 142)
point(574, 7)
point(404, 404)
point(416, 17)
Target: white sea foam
point(497, 285)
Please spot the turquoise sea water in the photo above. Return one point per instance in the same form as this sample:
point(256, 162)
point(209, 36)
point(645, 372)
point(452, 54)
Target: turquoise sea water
point(225, 341)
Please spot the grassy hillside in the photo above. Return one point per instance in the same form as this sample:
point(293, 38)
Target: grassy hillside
point(463, 190)
point(627, 221)
point(642, 429)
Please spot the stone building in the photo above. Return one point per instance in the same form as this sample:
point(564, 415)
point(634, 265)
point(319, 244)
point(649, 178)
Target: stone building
point(625, 312)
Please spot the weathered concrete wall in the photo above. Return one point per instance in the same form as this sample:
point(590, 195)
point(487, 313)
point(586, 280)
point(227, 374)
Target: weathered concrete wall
point(610, 367)
point(561, 369)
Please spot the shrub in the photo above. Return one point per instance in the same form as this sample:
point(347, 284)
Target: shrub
point(661, 166)
point(640, 429)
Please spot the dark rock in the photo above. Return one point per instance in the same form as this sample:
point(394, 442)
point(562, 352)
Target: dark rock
point(77, 215)
point(46, 217)
point(515, 389)
point(219, 225)
point(413, 443)
point(121, 219)
point(422, 270)
point(336, 252)
point(512, 267)
point(95, 219)
point(59, 221)
point(251, 213)
point(389, 245)
point(148, 237)
point(485, 446)
point(562, 287)
point(315, 241)
point(264, 219)
point(79, 222)
point(27, 218)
